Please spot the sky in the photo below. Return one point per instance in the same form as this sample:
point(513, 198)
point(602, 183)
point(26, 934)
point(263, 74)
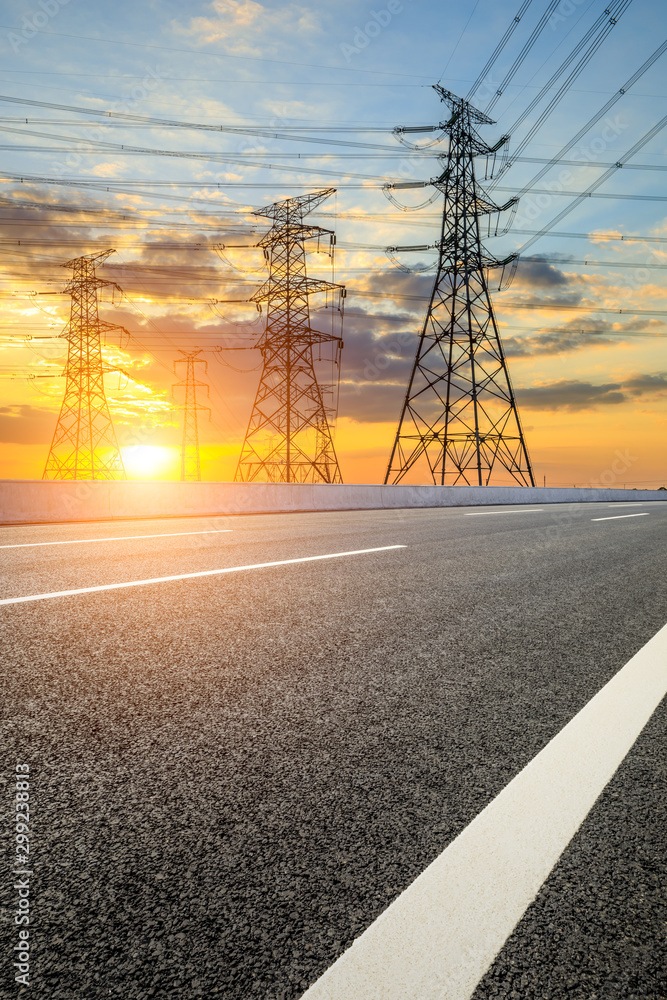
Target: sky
point(583, 322)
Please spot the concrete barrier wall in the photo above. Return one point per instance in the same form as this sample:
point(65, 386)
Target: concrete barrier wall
point(35, 501)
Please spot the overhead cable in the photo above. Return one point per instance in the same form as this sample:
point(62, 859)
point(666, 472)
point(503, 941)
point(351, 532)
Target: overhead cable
point(613, 14)
point(514, 24)
point(558, 158)
point(598, 183)
point(518, 62)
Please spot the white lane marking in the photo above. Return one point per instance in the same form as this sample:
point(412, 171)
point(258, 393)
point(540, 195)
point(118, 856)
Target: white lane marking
point(617, 517)
point(192, 576)
point(481, 513)
point(437, 940)
point(117, 538)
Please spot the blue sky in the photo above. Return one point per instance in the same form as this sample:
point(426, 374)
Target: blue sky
point(354, 71)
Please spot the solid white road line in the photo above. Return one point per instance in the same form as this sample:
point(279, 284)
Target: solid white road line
point(192, 576)
point(617, 517)
point(117, 538)
point(481, 513)
point(437, 940)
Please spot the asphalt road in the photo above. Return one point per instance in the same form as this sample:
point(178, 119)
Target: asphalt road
point(233, 775)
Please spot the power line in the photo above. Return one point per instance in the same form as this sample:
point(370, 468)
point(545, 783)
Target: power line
point(591, 193)
point(518, 62)
point(646, 138)
point(262, 132)
point(514, 24)
point(460, 38)
point(226, 56)
point(630, 82)
point(613, 13)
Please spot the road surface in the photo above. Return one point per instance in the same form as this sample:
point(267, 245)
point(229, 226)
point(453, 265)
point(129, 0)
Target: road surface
point(234, 771)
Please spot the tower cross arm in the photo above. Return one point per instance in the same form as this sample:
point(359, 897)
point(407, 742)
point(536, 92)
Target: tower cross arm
point(299, 286)
point(317, 337)
point(460, 105)
point(112, 369)
point(92, 260)
point(485, 206)
point(290, 208)
point(297, 230)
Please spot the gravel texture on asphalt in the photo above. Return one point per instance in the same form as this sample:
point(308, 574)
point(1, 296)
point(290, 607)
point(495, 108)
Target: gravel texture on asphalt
point(233, 776)
point(598, 928)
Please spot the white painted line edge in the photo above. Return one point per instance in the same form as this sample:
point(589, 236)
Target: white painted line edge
point(482, 513)
point(439, 937)
point(192, 576)
point(617, 517)
point(117, 538)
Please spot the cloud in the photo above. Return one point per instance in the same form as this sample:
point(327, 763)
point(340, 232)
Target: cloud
point(371, 402)
point(647, 385)
point(108, 169)
point(377, 347)
point(570, 394)
point(540, 274)
point(238, 20)
point(574, 394)
point(24, 424)
point(552, 344)
point(569, 338)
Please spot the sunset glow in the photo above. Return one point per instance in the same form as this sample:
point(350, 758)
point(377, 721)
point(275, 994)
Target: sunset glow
point(588, 379)
point(145, 461)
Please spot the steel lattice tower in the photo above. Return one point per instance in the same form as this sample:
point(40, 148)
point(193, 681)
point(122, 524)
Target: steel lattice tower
point(190, 466)
point(289, 438)
point(459, 415)
point(84, 444)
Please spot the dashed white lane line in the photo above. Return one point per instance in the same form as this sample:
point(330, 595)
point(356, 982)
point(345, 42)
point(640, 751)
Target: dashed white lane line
point(617, 517)
point(437, 940)
point(192, 576)
point(116, 538)
point(482, 513)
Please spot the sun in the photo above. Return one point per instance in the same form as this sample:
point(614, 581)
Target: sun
point(146, 461)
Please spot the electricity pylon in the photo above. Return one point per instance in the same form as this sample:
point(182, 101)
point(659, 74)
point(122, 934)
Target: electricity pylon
point(289, 438)
point(190, 466)
point(84, 444)
point(459, 416)
point(325, 456)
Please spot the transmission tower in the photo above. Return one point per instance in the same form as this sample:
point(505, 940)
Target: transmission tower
point(190, 467)
point(84, 444)
point(459, 416)
point(289, 437)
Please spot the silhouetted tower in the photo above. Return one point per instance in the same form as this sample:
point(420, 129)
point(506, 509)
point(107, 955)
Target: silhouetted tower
point(190, 466)
point(325, 457)
point(289, 436)
point(84, 444)
point(459, 420)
